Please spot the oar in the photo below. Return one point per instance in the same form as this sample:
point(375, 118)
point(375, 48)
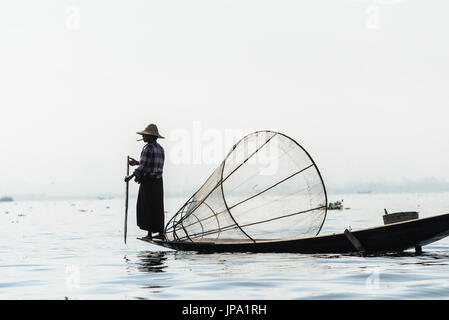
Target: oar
point(126, 197)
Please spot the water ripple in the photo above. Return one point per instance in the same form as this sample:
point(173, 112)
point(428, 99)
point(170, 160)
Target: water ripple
point(58, 252)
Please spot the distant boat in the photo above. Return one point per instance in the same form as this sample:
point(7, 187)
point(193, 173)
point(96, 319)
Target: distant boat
point(6, 199)
point(105, 197)
point(364, 191)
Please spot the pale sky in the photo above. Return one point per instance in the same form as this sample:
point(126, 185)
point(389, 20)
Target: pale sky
point(362, 85)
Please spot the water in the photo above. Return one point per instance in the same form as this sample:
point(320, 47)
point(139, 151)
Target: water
point(75, 250)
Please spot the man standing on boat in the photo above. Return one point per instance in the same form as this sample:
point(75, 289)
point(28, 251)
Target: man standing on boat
point(150, 201)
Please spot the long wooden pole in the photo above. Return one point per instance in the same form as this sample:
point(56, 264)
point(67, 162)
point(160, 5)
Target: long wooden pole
point(126, 198)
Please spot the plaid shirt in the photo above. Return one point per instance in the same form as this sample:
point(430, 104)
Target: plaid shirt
point(151, 161)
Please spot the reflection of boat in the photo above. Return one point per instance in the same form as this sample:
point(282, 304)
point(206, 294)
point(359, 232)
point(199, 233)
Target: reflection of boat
point(389, 238)
point(267, 195)
point(152, 262)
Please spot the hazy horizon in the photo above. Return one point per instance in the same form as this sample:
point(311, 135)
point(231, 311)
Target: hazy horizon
point(428, 185)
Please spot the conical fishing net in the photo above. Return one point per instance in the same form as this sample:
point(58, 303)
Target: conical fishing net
point(267, 187)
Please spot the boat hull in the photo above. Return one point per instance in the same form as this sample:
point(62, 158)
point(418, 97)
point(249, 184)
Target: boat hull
point(389, 238)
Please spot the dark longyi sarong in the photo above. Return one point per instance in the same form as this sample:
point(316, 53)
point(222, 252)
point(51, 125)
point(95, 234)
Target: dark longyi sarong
point(150, 205)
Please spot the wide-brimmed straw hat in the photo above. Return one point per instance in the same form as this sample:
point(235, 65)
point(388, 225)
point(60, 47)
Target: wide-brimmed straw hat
point(151, 130)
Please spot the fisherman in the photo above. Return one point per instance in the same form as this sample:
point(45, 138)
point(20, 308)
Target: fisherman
point(150, 201)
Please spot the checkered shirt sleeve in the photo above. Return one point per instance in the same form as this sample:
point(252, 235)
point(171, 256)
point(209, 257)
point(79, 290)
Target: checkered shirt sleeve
point(151, 161)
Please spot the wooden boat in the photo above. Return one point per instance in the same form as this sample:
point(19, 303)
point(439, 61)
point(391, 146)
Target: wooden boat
point(242, 199)
point(389, 238)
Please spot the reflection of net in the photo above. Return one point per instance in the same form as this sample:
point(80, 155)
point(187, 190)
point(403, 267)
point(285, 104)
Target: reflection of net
point(267, 187)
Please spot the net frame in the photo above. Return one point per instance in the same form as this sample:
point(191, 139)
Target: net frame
point(175, 225)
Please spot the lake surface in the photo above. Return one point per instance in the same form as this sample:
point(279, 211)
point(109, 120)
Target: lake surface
point(74, 249)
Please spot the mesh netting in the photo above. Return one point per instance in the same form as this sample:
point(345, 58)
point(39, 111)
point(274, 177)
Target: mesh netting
point(267, 187)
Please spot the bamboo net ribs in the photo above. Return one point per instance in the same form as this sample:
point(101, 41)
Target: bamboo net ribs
point(267, 187)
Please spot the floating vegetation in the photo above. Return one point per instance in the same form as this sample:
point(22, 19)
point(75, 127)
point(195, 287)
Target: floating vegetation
point(337, 205)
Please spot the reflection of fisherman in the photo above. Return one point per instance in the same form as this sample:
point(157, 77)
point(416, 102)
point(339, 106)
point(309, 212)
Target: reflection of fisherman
point(150, 201)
